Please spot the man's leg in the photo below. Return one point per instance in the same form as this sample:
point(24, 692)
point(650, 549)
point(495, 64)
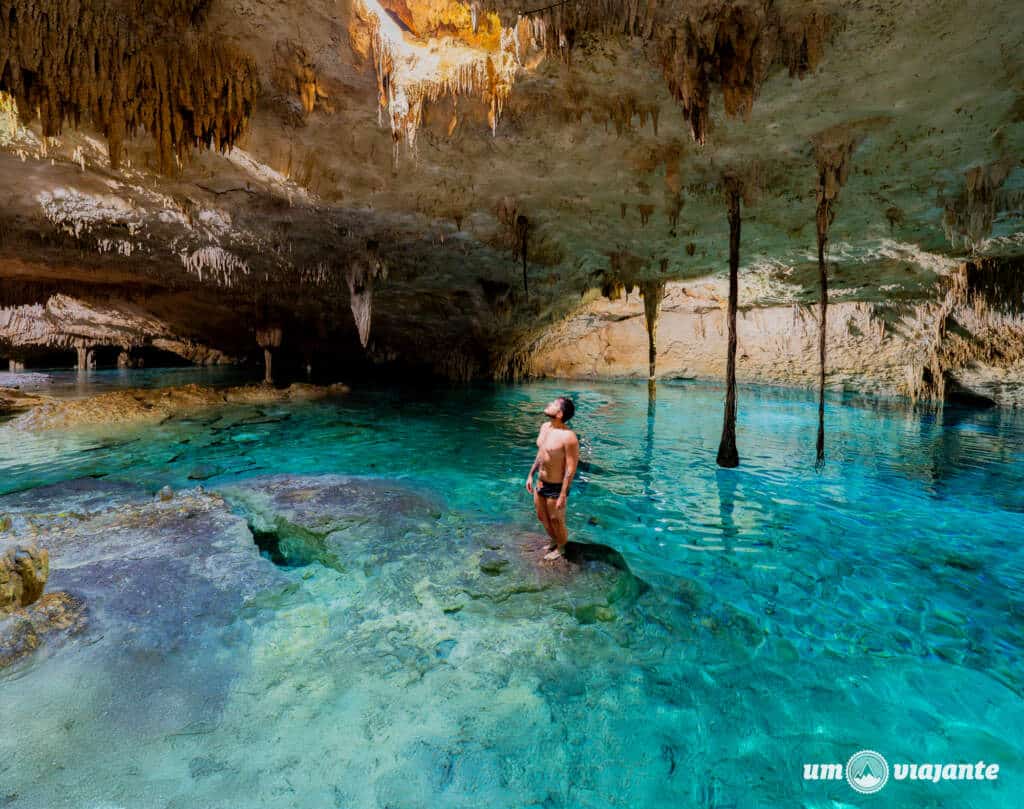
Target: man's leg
point(540, 503)
point(559, 531)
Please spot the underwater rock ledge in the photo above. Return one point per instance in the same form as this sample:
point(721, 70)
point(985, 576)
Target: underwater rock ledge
point(139, 405)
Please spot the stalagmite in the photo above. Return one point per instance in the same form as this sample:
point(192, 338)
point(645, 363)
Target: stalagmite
point(728, 456)
point(653, 293)
point(14, 365)
point(269, 338)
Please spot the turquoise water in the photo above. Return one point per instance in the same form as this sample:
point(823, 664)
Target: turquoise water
point(794, 615)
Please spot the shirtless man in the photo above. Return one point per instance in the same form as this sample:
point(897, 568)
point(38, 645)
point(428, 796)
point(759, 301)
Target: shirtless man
point(558, 455)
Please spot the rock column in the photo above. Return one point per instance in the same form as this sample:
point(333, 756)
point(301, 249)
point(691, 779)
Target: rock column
point(268, 339)
point(86, 359)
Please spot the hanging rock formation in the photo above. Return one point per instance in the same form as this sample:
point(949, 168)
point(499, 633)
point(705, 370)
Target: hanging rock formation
point(429, 127)
point(126, 66)
point(833, 150)
point(652, 293)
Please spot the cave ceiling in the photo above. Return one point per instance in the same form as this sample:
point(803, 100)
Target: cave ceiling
point(314, 163)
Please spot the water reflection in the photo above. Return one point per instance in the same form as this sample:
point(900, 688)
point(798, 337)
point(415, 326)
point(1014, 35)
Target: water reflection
point(725, 483)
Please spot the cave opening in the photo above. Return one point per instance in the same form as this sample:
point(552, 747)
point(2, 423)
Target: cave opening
point(153, 357)
point(50, 359)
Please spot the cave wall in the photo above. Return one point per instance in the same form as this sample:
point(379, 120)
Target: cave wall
point(925, 352)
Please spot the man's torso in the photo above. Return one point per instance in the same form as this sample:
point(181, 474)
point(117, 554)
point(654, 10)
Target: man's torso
point(552, 444)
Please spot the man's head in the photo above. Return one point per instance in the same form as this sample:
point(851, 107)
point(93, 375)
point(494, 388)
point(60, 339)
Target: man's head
point(561, 408)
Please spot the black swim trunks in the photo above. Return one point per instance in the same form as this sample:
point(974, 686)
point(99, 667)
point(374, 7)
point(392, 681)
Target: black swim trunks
point(550, 490)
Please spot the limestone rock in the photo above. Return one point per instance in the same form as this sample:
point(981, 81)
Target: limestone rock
point(493, 563)
point(126, 559)
point(25, 630)
point(280, 231)
point(24, 569)
point(146, 406)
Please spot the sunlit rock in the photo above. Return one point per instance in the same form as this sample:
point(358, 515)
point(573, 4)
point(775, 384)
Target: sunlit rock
point(24, 569)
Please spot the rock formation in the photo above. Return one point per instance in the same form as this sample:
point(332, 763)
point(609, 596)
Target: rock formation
point(23, 572)
point(172, 166)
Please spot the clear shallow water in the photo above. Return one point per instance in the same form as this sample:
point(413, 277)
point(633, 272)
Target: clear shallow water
point(795, 616)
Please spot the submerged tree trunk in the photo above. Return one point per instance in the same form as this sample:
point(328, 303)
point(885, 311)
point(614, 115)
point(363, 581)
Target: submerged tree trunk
point(822, 228)
point(727, 454)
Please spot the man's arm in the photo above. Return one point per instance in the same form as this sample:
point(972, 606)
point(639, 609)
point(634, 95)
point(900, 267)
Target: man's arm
point(533, 471)
point(572, 460)
point(536, 461)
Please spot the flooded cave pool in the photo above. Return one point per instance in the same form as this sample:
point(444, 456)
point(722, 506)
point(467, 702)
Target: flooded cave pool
point(398, 643)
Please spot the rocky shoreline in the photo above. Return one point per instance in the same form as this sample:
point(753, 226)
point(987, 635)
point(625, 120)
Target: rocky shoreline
point(145, 405)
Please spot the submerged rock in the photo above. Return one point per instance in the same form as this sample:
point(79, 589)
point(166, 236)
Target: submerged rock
point(314, 507)
point(204, 472)
point(25, 630)
point(159, 580)
point(406, 539)
point(13, 400)
point(492, 563)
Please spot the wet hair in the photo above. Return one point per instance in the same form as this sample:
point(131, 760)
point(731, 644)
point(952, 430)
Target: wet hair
point(568, 408)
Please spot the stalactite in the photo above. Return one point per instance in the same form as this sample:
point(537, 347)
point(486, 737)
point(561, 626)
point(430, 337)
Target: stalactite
point(833, 151)
point(728, 455)
point(734, 45)
point(294, 73)
point(360, 289)
point(822, 219)
point(968, 217)
point(653, 292)
point(978, 317)
point(126, 67)
point(410, 76)
point(522, 234)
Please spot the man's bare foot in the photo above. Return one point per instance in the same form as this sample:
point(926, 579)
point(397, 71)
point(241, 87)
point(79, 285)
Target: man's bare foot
point(555, 554)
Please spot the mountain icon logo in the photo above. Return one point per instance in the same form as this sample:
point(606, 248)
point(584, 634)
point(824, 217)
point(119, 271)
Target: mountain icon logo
point(867, 771)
